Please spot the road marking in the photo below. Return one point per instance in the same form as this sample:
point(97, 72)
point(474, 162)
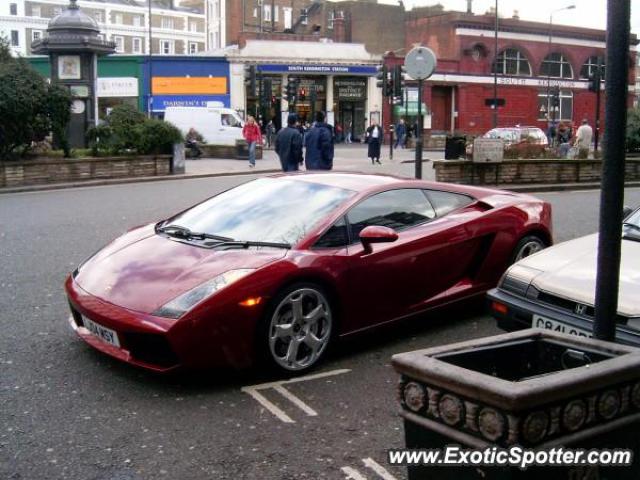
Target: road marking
point(379, 469)
point(352, 474)
point(268, 405)
point(295, 400)
point(278, 386)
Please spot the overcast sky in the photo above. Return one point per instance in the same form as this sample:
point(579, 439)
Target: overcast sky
point(588, 13)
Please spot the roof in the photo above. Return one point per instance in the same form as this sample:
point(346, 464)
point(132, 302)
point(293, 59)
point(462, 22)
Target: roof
point(302, 52)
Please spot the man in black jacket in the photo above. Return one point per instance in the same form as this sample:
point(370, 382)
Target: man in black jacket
point(289, 145)
point(319, 144)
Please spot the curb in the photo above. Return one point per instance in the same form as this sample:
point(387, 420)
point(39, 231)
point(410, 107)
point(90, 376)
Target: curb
point(122, 181)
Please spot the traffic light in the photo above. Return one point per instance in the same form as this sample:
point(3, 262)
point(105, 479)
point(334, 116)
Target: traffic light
point(382, 77)
point(291, 90)
point(267, 90)
point(398, 81)
point(250, 79)
point(594, 80)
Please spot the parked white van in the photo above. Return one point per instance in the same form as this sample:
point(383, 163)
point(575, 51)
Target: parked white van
point(217, 124)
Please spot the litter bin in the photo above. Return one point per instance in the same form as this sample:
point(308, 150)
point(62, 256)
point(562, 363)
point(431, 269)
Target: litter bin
point(455, 147)
point(534, 389)
point(242, 150)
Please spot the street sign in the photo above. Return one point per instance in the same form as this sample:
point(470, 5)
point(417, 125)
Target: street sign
point(420, 63)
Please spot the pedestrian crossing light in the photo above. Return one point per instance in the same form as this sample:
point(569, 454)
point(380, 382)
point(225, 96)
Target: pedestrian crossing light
point(594, 80)
point(250, 79)
point(382, 77)
point(291, 90)
point(398, 81)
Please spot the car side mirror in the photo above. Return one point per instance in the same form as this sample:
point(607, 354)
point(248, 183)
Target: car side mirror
point(626, 211)
point(376, 234)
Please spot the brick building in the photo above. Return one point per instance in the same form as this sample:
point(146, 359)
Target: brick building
point(532, 63)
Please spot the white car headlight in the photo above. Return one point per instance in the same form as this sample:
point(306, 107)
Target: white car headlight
point(182, 304)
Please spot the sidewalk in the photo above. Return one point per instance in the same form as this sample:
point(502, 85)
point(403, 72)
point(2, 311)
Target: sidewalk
point(347, 158)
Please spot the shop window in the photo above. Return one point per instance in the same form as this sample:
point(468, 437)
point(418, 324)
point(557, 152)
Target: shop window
point(511, 62)
point(589, 67)
point(561, 111)
point(556, 65)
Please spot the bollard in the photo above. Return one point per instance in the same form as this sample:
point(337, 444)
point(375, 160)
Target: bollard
point(178, 161)
point(535, 389)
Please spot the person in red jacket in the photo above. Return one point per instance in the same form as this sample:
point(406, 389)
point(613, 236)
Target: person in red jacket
point(251, 133)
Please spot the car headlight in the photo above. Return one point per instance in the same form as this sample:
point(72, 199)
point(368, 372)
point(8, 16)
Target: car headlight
point(182, 304)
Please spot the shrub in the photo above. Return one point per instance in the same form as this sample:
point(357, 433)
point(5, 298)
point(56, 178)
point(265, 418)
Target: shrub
point(124, 121)
point(633, 130)
point(157, 136)
point(100, 140)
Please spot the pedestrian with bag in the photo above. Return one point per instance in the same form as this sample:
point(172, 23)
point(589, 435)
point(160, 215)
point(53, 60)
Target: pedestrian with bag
point(318, 142)
point(253, 136)
point(288, 145)
point(374, 139)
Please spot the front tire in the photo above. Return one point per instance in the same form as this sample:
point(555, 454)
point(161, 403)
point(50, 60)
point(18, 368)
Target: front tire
point(298, 328)
point(527, 246)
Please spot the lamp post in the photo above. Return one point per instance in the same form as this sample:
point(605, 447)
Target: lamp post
point(549, 103)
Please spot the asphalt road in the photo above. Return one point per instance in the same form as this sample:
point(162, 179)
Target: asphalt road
point(68, 412)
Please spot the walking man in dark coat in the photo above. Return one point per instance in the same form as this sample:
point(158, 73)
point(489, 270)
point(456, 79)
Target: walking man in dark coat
point(289, 145)
point(319, 144)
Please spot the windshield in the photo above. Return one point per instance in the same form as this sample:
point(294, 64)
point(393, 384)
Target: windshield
point(631, 226)
point(265, 210)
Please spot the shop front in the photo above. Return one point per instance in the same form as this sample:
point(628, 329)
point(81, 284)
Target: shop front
point(350, 94)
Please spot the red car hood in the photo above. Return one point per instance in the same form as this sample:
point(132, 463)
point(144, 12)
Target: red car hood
point(142, 271)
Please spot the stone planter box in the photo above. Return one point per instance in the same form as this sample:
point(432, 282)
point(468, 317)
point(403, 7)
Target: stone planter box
point(43, 171)
point(517, 172)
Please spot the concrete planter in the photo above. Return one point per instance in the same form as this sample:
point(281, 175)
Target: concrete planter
point(239, 151)
point(533, 388)
point(532, 171)
point(43, 171)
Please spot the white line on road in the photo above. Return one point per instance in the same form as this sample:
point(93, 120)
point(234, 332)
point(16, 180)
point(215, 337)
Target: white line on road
point(295, 400)
point(379, 469)
point(352, 474)
point(268, 405)
point(278, 387)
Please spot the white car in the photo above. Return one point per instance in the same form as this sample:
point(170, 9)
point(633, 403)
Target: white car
point(555, 289)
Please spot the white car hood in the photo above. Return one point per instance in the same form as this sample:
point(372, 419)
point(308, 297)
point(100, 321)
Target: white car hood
point(569, 271)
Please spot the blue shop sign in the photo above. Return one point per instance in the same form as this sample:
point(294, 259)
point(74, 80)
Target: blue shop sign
point(160, 103)
point(322, 69)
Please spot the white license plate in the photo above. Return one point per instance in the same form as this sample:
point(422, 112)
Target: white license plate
point(103, 333)
point(548, 324)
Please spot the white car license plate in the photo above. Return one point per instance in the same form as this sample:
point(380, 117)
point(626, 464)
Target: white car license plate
point(103, 333)
point(548, 324)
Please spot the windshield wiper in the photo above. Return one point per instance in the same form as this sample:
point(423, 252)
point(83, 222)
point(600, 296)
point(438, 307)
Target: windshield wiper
point(184, 232)
point(248, 243)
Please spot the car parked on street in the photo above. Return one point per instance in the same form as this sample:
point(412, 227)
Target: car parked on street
point(273, 270)
point(517, 140)
point(555, 289)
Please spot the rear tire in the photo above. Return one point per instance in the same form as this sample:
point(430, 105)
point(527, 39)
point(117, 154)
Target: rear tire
point(297, 328)
point(527, 246)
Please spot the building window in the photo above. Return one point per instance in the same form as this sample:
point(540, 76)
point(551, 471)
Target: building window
point(304, 16)
point(119, 43)
point(255, 13)
point(332, 17)
point(557, 66)
point(36, 11)
point(36, 35)
point(97, 16)
point(562, 111)
point(287, 14)
point(511, 62)
point(193, 48)
point(589, 67)
point(137, 21)
point(136, 45)
point(167, 23)
point(13, 9)
point(117, 18)
point(57, 11)
point(276, 12)
point(267, 13)
point(166, 47)
point(193, 26)
point(15, 38)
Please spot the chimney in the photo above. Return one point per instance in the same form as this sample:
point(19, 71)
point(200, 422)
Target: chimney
point(339, 28)
point(516, 15)
point(470, 6)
